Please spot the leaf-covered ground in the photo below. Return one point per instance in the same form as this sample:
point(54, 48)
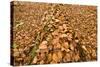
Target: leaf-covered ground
point(45, 33)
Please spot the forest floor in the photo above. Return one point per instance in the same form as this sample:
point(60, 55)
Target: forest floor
point(49, 33)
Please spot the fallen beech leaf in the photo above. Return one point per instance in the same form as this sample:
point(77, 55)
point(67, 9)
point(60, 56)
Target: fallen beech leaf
point(68, 57)
point(76, 57)
point(42, 62)
point(76, 40)
point(66, 45)
point(34, 60)
point(19, 59)
point(67, 50)
point(57, 46)
point(63, 35)
point(62, 48)
point(55, 41)
point(94, 53)
point(64, 26)
point(55, 33)
point(49, 57)
point(84, 47)
point(54, 57)
point(21, 50)
point(69, 36)
point(50, 47)
point(42, 56)
point(53, 62)
point(59, 53)
point(16, 54)
point(43, 45)
point(60, 28)
point(71, 46)
point(57, 20)
point(44, 42)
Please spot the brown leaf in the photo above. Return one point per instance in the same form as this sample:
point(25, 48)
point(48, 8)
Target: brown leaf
point(55, 41)
point(59, 53)
point(64, 26)
point(71, 46)
point(16, 54)
point(55, 33)
point(60, 28)
point(43, 45)
point(49, 57)
point(94, 53)
point(54, 57)
point(42, 62)
point(34, 60)
point(19, 59)
point(63, 35)
point(66, 45)
point(84, 47)
point(57, 46)
point(44, 42)
point(67, 57)
point(69, 36)
point(76, 57)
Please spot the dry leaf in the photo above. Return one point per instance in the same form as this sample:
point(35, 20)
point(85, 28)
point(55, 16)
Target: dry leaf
point(57, 46)
point(84, 47)
point(42, 62)
point(94, 53)
point(19, 59)
point(55, 33)
point(76, 40)
point(43, 45)
point(76, 57)
point(53, 62)
point(49, 57)
point(55, 41)
point(68, 57)
point(34, 60)
point(64, 26)
point(63, 35)
point(71, 46)
point(59, 53)
point(54, 57)
point(16, 54)
point(44, 42)
point(69, 36)
point(66, 45)
point(57, 20)
point(60, 28)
